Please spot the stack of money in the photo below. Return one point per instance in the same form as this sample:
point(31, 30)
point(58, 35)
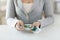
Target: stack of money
point(33, 28)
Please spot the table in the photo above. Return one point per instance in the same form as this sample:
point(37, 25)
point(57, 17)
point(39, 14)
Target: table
point(51, 32)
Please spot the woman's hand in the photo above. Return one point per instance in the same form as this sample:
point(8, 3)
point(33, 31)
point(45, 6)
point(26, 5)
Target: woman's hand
point(20, 25)
point(37, 24)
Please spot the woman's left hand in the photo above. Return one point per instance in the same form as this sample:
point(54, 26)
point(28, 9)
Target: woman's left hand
point(37, 24)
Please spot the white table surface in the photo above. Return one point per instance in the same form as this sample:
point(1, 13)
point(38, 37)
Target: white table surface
point(51, 32)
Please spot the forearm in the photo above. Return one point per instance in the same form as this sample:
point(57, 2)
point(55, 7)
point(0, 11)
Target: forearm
point(47, 21)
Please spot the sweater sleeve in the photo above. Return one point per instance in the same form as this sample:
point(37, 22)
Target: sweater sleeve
point(48, 12)
point(10, 13)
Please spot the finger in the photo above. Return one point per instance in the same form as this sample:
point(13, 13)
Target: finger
point(23, 27)
point(34, 24)
point(17, 28)
point(17, 24)
point(30, 26)
point(20, 28)
point(21, 24)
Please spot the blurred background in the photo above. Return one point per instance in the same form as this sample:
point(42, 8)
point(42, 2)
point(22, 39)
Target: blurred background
point(56, 6)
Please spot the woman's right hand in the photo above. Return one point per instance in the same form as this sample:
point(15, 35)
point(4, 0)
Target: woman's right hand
point(20, 25)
